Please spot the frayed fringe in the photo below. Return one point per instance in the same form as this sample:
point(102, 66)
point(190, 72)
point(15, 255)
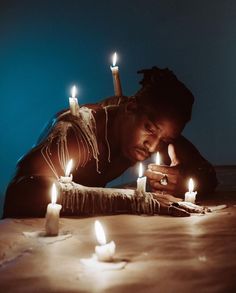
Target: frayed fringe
point(80, 200)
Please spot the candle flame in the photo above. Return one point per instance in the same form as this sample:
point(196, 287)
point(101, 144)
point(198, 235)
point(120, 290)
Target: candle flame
point(190, 185)
point(100, 234)
point(140, 170)
point(54, 193)
point(68, 168)
point(114, 59)
point(158, 159)
point(73, 91)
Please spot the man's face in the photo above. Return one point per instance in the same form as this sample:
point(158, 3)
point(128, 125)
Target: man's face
point(141, 137)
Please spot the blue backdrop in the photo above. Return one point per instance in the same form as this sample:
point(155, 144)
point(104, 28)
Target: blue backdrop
point(46, 46)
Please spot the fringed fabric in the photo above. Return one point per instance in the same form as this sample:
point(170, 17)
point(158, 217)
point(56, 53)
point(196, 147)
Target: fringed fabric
point(80, 200)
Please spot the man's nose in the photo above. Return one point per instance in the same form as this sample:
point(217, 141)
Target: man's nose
point(152, 144)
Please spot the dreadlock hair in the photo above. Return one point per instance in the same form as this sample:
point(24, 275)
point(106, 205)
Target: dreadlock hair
point(163, 95)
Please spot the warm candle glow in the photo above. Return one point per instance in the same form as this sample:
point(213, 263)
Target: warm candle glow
point(73, 91)
point(158, 159)
point(54, 193)
point(68, 168)
point(140, 170)
point(101, 238)
point(190, 185)
point(114, 59)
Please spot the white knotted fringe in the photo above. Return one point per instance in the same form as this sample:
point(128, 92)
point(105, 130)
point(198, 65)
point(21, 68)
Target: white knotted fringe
point(84, 128)
point(80, 200)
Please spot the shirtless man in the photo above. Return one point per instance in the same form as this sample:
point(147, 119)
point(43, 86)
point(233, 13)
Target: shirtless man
point(120, 132)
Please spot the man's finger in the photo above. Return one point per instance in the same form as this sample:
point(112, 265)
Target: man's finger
point(177, 212)
point(172, 154)
point(190, 207)
point(163, 169)
point(173, 211)
point(163, 195)
point(157, 176)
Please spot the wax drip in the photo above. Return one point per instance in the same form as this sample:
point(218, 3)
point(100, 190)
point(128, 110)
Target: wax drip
point(84, 128)
point(106, 138)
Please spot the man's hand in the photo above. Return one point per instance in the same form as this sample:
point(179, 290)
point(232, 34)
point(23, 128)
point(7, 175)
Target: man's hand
point(166, 178)
point(173, 206)
point(169, 205)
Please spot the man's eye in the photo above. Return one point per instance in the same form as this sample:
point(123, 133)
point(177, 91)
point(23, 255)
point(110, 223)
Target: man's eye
point(148, 127)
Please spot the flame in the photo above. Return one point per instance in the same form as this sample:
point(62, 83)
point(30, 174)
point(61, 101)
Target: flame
point(73, 91)
point(114, 59)
point(190, 185)
point(158, 159)
point(140, 170)
point(68, 168)
point(54, 193)
point(101, 237)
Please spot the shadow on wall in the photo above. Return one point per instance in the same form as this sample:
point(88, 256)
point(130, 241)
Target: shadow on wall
point(226, 176)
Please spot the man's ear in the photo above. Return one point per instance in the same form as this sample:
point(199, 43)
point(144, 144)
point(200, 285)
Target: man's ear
point(131, 106)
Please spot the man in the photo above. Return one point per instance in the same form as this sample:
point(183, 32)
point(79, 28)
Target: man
point(107, 138)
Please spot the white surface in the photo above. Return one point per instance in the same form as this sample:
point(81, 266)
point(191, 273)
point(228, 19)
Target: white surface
point(163, 254)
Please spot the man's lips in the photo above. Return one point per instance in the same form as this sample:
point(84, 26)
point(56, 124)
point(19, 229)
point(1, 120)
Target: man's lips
point(143, 153)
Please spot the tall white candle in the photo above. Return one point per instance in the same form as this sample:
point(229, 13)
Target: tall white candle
point(73, 101)
point(141, 181)
point(68, 176)
point(116, 77)
point(190, 196)
point(105, 251)
point(52, 215)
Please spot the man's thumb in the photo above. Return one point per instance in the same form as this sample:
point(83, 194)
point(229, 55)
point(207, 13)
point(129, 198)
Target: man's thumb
point(171, 151)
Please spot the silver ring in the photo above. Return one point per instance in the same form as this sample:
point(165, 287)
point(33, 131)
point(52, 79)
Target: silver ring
point(164, 180)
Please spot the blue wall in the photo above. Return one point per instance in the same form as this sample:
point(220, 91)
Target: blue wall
point(46, 46)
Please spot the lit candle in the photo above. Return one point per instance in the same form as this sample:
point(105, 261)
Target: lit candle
point(105, 251)
point(74, 106)
point(158, 159)
point(164, 179)
point(52, 215)
point(190, 196)
point(141, 181)
point(116, 77)
point(68, 176)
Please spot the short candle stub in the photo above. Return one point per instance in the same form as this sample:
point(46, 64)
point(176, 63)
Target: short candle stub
point(52, 215)
point(105, 251)
point(142, 180)
point(158, 158)
point(190, 196)
point(66, 179)
point(68, 176)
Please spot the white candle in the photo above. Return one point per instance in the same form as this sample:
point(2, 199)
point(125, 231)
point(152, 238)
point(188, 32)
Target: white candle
point(68, 176)
point(116, 77)
point(141, 181)
point(158, 159)
point(190, 196)
point(52, 215)
point(105, 251)
point(74, 106)
point(164, 179)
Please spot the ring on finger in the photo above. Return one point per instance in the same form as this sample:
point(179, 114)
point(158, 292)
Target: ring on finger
point(164, 180)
